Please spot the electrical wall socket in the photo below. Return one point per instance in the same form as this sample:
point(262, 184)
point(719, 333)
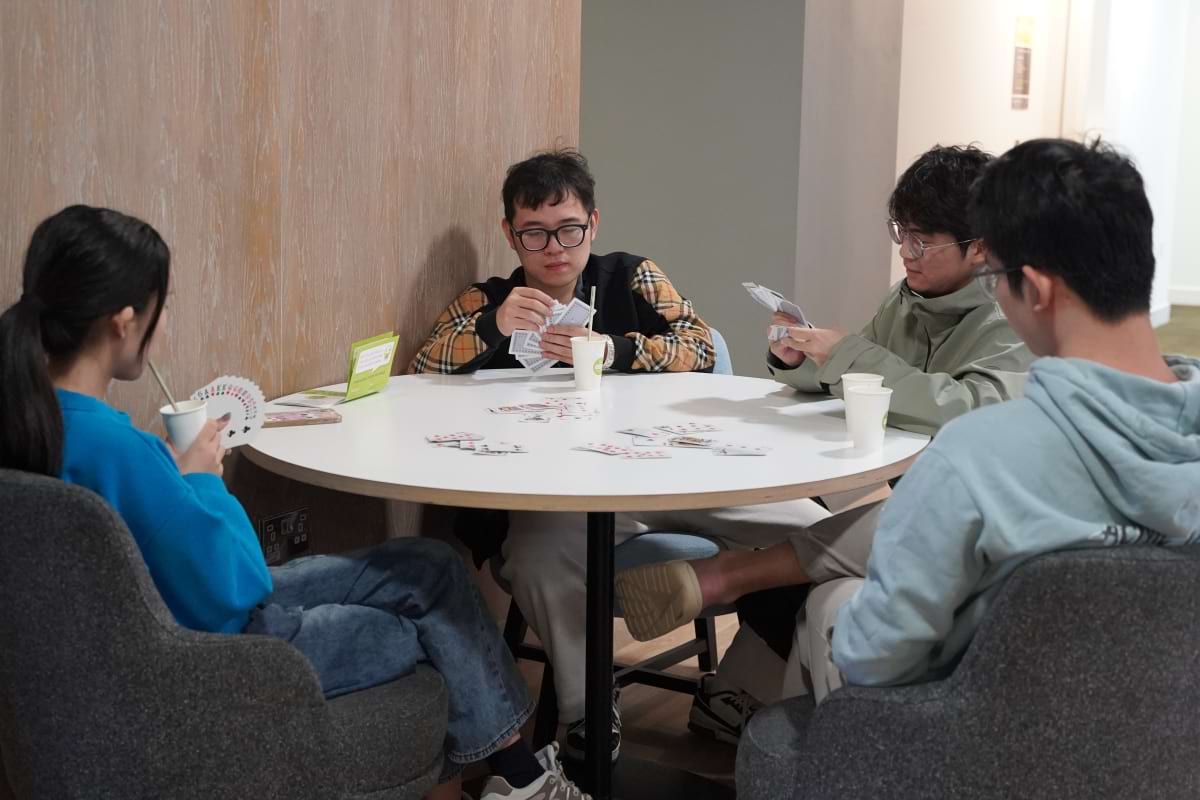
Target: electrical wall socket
point(284, 536)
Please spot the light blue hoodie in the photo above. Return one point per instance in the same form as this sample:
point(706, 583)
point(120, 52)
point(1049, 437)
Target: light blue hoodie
point(1091, 456)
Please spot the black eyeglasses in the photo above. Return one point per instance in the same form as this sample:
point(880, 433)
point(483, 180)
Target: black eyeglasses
point(989, 276)
point(535, 239)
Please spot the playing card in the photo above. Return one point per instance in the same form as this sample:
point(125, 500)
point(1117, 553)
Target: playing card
point(454, 437)
point(577, 314)
point(793, 310)
point(538, 365)
point(640, 454)
point(242, 400)
point(692, 441)
point(497, 448)
point(740, 450)
point(777, 333)
point(606, 448)
point(689, 427)
point(761, 295)
point(540, 416)
point(647, 441)
point(525, 343)
point(650, 433)
point(773, 300)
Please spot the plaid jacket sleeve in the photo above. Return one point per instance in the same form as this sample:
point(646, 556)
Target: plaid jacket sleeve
point(687, 345)
point(454, 342)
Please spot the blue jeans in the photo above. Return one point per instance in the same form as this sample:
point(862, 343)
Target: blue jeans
point(369, 617)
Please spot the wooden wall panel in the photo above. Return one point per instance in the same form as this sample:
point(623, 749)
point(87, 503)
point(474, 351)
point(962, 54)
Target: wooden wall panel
point(322, 170)
point(165, 110)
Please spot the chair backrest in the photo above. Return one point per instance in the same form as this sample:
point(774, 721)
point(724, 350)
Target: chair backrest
point(1081, 681)
point(723, 364)
point(99, 687)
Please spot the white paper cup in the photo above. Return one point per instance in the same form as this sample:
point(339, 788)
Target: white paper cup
point(861, 379)
point(184, 425)
point(866, 416)
point(587, 357)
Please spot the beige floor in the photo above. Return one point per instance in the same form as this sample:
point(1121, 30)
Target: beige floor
point(1182, 333)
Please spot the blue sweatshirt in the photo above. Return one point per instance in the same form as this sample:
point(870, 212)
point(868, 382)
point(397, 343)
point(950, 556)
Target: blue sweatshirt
point(1091, 456)
point(195, 537)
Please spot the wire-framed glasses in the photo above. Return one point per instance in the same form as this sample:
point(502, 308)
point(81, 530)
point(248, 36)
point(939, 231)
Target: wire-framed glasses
point(916, 248)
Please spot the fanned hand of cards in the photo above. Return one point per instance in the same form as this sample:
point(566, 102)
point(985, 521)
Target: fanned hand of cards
point(774, 301)
point(242, 400)
point(527, 345)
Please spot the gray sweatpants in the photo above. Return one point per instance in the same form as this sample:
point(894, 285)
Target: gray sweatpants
point(545, 561)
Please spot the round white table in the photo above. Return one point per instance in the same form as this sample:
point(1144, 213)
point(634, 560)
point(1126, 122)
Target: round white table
point(379, 449)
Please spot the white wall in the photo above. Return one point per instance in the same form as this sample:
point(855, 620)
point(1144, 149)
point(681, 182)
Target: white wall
point(747, 141)
point(956, 77)
point(690, 117)
point(1185, 271)
point(852, 52)
point(1130, 91)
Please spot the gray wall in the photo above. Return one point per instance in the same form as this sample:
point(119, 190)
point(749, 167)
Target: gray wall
point(692, 116)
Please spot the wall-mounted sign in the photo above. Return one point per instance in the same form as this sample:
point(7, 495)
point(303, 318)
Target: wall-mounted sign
point(1022, 57)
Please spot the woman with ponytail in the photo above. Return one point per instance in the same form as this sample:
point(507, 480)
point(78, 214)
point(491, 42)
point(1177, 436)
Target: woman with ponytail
point(95, 285)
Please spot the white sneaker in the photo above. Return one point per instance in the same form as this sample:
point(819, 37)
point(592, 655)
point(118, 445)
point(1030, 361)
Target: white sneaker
point(553, 785)
point(549, 759)
point(720, 710)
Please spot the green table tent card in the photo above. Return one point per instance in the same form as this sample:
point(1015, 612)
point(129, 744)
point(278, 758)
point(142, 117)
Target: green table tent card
point(370, 367)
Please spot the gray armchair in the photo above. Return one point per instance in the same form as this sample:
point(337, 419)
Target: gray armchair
point(103, 695)
point(1082, 682)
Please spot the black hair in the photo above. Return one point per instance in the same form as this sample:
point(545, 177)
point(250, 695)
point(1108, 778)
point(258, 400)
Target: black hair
point(931, 196)
point(83, 264)
point(1075, 210)
point(549, 177)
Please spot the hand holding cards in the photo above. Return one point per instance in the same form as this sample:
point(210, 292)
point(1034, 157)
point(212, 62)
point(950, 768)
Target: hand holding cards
point(775, 302)
point(526, 345)
point(242, 400)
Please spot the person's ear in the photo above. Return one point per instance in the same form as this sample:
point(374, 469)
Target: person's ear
point(508, 234)
point(1038, 288)
point(977, 253)
point(121, 322)
point(595, 223)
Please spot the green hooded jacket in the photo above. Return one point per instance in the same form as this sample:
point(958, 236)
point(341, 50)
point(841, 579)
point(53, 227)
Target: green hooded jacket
point(940, 356)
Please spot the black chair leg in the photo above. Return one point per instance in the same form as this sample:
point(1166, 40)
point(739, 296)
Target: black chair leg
point(706, 631)
point(514, 628)
point(545, 723)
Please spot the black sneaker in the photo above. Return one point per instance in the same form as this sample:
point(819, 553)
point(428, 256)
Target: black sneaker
point(720, 710)
point(575, 742)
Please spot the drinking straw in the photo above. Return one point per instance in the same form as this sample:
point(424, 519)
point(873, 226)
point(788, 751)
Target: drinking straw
point(592, 316)
point(162, 385)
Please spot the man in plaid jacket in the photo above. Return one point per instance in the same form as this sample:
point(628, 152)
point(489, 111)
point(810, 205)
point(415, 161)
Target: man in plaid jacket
point(550, 220)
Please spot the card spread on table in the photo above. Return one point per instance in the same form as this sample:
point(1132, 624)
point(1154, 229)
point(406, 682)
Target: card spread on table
point(606, 448)
point(242, 400)
point(692, 441)
point(527, 345)
point(311, 416)
point(774, 301)
point(740, 450)
point(454, 437)
point(497, 448)
point(647, 454)
point(689, 427)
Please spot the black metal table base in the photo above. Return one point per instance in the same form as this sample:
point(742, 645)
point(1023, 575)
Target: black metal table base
point(634, 778)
